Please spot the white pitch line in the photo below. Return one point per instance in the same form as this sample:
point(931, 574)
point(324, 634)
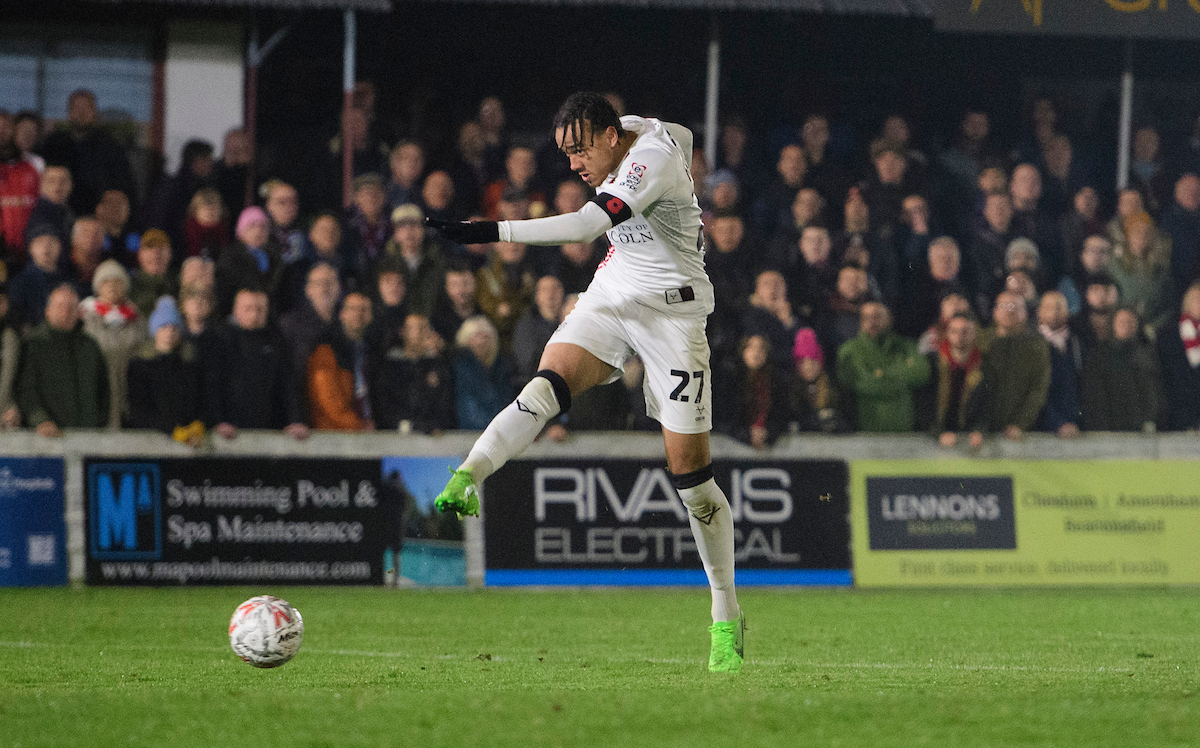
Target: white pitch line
point(653, 660)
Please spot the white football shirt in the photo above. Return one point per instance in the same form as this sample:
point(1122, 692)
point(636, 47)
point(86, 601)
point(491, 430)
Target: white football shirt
point(659, 251)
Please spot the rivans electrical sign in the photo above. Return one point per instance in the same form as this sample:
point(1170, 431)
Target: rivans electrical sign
point(621, 522)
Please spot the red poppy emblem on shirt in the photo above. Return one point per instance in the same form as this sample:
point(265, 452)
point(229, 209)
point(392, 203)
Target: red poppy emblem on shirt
point(615, 205)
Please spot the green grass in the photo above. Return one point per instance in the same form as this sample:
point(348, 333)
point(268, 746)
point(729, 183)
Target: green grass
point(96, 667)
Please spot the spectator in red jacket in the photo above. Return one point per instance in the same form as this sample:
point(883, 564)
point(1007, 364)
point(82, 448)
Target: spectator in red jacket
point(19, 183)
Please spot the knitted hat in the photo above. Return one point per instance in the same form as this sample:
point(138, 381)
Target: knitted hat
point(407, 213)
point(370, 179)
point(109, 270)
point(251, 216)
point(1024, 246)
point(165, 313)
point(43, 229)
point(807, 346)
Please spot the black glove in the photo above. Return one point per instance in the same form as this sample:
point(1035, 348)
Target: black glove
point(467, 232)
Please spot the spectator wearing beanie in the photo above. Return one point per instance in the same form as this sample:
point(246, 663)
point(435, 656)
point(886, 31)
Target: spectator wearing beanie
point(152, 279)
point(813, 397)
point(32, 286)
point(113, 322)
point(418, 258)
point(164, 379)
point(252, 260)
point(1023, 254)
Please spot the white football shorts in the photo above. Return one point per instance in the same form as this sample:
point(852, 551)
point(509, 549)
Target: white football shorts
point(674, 350)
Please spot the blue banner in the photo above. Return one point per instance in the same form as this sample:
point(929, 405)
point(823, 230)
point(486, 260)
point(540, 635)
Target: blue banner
point(32, 530)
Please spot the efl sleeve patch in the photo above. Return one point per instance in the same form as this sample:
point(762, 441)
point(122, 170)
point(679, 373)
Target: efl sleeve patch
point(617, 209)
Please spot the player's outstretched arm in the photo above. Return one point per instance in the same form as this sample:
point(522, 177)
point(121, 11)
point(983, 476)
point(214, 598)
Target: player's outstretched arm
point(584, 225)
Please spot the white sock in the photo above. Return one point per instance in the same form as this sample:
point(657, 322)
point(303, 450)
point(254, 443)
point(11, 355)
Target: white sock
point(712, 527)
point(513, 429)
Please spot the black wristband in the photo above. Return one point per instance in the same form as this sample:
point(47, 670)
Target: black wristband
point(467, 232)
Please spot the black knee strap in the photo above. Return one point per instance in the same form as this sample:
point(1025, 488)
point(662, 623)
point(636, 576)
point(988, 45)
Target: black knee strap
point(562, 393)
point(692, 479)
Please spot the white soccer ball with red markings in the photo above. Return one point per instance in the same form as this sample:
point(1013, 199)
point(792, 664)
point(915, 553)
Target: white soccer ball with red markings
point(266, 631)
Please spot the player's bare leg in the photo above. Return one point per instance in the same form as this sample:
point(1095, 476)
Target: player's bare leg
point(565, 370)
point(690, 465)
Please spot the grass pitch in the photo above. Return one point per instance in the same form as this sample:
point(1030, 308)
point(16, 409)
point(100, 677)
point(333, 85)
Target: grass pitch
point(102, 667)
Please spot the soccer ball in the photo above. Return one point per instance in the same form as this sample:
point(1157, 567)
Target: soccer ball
point(266, 631)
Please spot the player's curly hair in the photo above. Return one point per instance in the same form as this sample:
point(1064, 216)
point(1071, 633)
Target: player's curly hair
point(590, 107)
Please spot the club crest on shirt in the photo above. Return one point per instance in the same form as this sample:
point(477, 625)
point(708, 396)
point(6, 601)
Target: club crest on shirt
point(633, 179)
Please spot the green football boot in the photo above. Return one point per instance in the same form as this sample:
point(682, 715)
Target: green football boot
point(728, 638)
point(459, 495)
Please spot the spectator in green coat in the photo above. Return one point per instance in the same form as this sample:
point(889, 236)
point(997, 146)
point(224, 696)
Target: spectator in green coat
point(883, 370)
point(63, 380)
point(1016, 369)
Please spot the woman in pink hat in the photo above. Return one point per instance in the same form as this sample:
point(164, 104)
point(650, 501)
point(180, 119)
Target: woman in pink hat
point(814, 398)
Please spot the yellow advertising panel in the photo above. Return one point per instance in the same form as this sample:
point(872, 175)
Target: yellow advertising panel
point(1009, 522)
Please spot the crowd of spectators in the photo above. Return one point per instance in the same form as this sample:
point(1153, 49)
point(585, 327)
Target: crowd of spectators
point(976, 289)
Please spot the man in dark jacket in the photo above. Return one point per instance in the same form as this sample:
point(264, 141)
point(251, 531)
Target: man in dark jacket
point(307, 322)
point(51, 208)
point(416, 383)
point(63, 380)
point(94, 156)
point(535, 327)
point(1121, 388)
point(1016, 369)
point(1182, 223)
point(248, 380)
point(1061, 415)
point(30, 289)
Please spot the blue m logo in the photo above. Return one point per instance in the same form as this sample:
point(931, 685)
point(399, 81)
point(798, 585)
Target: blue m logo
point(124, 511)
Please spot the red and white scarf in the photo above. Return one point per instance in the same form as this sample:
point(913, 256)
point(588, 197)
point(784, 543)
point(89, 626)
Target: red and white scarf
point(113, 314)
point(1189, 331)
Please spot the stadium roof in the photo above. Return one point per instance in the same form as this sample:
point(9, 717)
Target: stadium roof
point(380, 6)
point(915, 8)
